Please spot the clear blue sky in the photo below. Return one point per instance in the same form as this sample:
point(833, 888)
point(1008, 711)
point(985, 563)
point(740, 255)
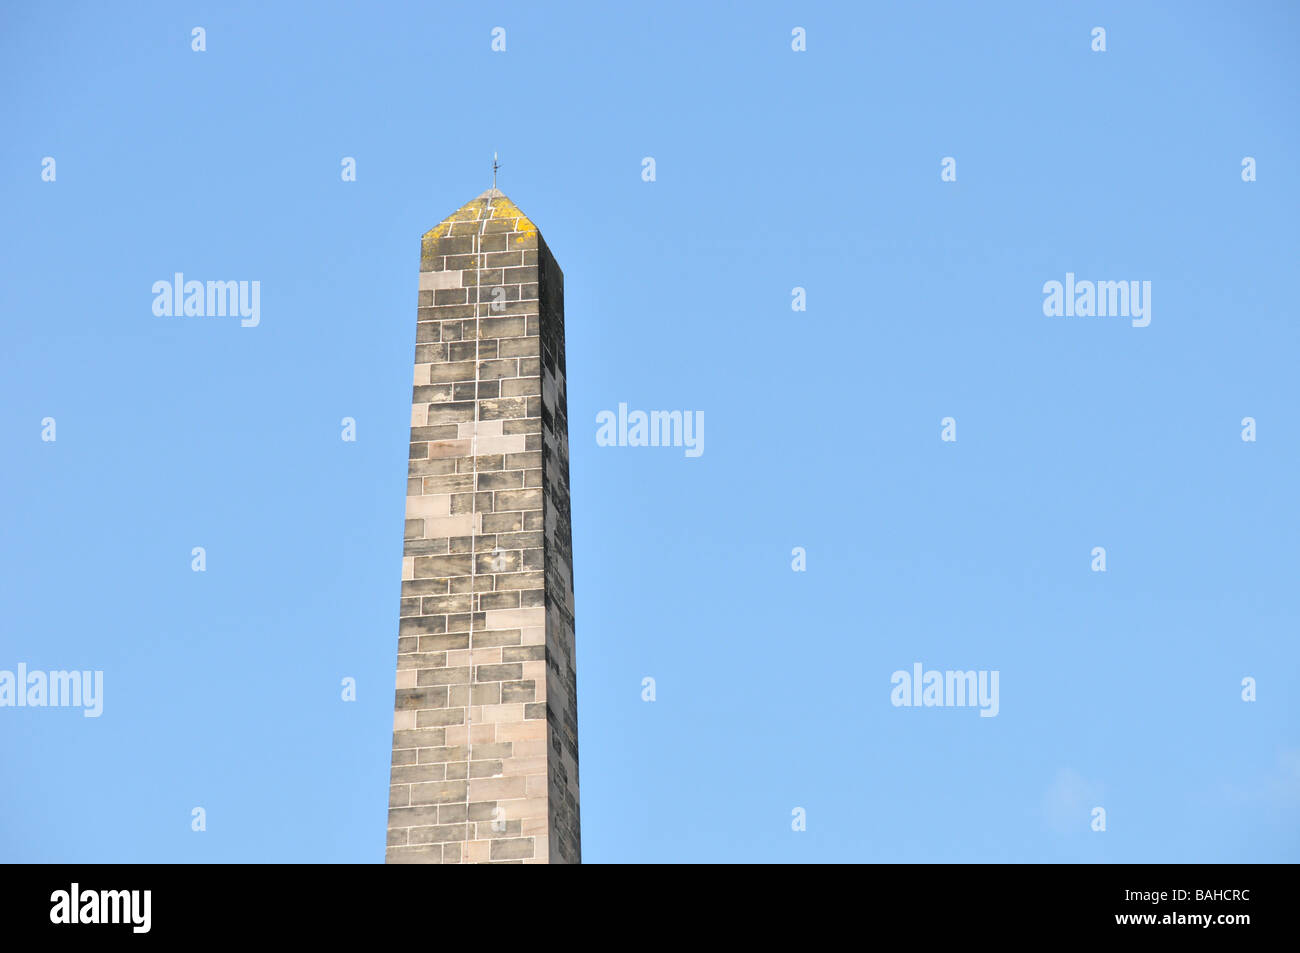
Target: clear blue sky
point(775, 169)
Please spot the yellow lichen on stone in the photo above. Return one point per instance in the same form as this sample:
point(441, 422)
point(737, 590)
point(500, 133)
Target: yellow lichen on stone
point(504, 208)
point(501, 208)
point(469, 212)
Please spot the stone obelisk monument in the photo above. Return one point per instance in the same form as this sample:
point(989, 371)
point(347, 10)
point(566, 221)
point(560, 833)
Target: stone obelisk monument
point(485, 735)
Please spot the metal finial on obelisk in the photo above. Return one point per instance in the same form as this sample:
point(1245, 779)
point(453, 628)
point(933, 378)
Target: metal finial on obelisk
point(494, 171)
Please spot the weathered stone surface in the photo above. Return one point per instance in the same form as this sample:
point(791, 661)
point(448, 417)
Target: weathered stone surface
point(485, 744)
